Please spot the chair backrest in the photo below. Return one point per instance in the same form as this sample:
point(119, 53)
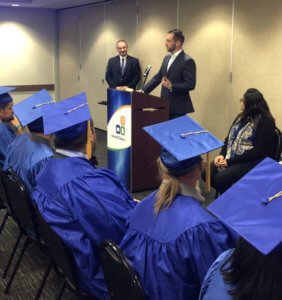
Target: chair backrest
point(3, 198)
point(122, 280)
point(62, 259)
point(21, 206)
point(278, 144)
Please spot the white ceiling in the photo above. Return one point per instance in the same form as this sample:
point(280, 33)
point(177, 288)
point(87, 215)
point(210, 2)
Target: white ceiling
point(53, 4)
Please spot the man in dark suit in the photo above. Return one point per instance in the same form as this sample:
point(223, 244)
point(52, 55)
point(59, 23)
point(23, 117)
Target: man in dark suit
point(177, 75)
point(123, 71)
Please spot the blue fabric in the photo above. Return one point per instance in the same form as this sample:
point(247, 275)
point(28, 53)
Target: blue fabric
point(64, 114)
point(183, 138)
point(173, 164)
point(243, 206)
point(173, 250)
point(27, 158)
point(7, 135)
point(84, 206)
point(31, 109)
point(214, 287)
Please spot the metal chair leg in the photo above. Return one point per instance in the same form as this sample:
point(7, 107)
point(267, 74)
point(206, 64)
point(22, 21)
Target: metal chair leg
point(62, 289)
point(46, 273)
point(7, 288)
point(4, 221)
point(12, 255)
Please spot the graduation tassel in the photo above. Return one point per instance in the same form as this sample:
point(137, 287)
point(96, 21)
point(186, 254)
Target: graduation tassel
point(208, 173)
point(88, 145)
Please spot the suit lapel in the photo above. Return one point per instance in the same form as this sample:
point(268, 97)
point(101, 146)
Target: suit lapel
point(165, 65)
point(117, 63)
point(175, 62)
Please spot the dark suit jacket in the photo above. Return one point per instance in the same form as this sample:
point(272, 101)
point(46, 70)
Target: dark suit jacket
point(182, 74)
point(131, 74)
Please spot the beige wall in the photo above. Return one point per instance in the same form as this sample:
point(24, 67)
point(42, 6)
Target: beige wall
point(27, 43)
point(254, 60)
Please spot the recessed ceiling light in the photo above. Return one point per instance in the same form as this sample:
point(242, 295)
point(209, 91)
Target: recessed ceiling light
point(15, 5)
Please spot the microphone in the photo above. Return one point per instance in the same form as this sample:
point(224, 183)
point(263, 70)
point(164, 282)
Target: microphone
point(145, 75)
point(147, 71)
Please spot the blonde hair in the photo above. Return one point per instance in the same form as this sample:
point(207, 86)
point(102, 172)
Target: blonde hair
point(169, 187)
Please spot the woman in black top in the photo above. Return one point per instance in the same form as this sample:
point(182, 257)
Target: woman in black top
point(251, 138)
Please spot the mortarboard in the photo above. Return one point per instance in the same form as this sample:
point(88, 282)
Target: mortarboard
point(252, 206)
point(31, 109)
point(183, 141)
point(5, 98)
point(67, 119)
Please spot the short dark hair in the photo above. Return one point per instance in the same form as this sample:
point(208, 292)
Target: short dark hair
point(75, 144)
point(119, 41)
point(252, 274)
point(177, 35)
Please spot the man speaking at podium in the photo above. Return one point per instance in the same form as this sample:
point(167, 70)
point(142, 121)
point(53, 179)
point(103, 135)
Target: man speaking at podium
point(123, 71)
point(177, 75)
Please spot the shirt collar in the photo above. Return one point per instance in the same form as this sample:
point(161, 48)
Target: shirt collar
point(71, 153)
point(186, 190)
point(121, 57)
point(176, 53)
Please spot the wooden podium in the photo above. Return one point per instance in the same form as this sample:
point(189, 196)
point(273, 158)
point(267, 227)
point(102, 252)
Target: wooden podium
point(132, 153)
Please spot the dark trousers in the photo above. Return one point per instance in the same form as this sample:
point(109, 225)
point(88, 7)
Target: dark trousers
point(173, 116)
point(222, 179)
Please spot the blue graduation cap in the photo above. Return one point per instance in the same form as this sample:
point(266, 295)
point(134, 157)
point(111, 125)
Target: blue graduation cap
point(31, 109)
point(252, 206)
point(5, 98)
point(67, 119)
point(183, 141)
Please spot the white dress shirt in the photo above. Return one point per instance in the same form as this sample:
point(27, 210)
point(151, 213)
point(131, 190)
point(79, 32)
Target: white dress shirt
point(172, 58)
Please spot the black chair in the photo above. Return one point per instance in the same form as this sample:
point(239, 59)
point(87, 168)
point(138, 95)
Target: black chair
point(62, 261)
point(278, 145)
point(2, 202)
point(22, 210)
point(122, 281)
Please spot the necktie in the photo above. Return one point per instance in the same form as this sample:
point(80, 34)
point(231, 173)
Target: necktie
point(122, 66)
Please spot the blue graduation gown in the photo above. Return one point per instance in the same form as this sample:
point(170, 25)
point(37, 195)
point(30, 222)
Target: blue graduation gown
point(7, 135)
point(173, 250)
point(84, 206)
point(27, 155)
point(214, 286)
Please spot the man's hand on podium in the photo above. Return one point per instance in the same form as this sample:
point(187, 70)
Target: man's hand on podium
point(122, 88)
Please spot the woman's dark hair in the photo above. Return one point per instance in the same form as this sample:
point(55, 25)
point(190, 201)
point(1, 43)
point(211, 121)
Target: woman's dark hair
point(74, 144)
point(255, 105)
point(254, 276)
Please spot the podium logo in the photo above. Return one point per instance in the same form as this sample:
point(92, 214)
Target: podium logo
point(120, 129)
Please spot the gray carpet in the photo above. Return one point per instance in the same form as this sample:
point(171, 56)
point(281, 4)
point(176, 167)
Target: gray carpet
point(34, 262)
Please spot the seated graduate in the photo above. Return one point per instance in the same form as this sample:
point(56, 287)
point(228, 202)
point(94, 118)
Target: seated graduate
point(252, 207)
point(9, 125)
point(251, 138)
point(82, 204)
point(171, 240)
point(27, 154)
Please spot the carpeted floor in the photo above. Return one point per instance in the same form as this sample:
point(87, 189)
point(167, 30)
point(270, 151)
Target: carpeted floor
point(34, 262)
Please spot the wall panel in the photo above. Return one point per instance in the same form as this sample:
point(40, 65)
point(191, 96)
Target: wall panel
point(207, 27)
point(27, 47)
point(93, 57)
point(155, 20)
point(69, 53)
point(257, 52)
